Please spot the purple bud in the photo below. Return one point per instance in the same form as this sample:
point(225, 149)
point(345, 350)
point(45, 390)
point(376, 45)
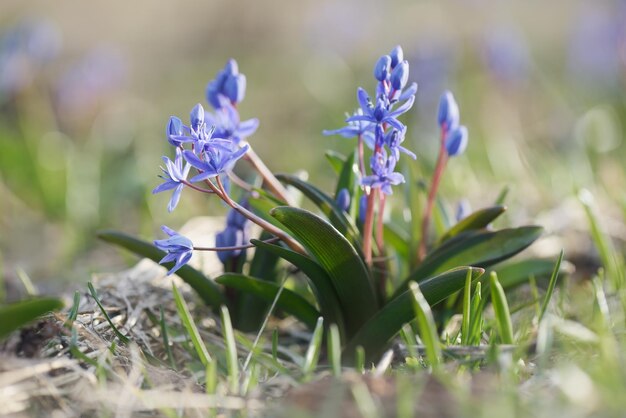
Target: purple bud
point(382, 68)
point(235, 87)
point(400, 75)
point(397, 55)
point(236, 219)
point(448, 115)
point(362, 208)
point(174, 126)
point(343, 199)
point(197, 116)
point(231, 67)
point(229, 237)
point(456, 141)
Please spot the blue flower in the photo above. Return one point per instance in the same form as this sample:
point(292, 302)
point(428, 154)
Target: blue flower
point(380, 113)
point(228, 125)
point(393, 139)
point(397, 55)
point(355, 129)
point(383, 175)
point(456, 141)
point(382, 68)
point(214, 160)
point(177, 247)
point(174, 174)
point(400, 75)
point(234, 235)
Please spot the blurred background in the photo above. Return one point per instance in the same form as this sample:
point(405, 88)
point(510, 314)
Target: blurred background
point(86, 89)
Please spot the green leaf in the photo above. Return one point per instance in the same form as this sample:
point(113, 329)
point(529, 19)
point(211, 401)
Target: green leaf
point(313, 351)
point(327, 205)
point(336, 160)
point(349, 275)
point(476, 220)
point(208, 291)
point(289, 301)
point(475, 248)
point(552, 284)
point(117, 332)
point(320, 281)
point(518, 272)
point(15, 315)
point(376, 333)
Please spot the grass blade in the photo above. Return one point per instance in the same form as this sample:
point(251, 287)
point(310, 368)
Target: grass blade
point(334, 349)
point(467, 298)
point(117, 332)
point(232, 366)
point(166, 340)
point(190, 326)
point(550, 291)
point(426, 324)
point(501, 309)
point(313, 351)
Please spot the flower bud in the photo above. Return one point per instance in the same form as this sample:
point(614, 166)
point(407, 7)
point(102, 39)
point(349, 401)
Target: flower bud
point(382, 68)
point(229, 237)
point(174, 126)
point(448, 115)
point(343, 199)
point(397, 56)
point(456, 141)
point(236, 219)
point(197, 116)
point(400, 75)
point(362, 208)
point(235, 87)
point(231, 67)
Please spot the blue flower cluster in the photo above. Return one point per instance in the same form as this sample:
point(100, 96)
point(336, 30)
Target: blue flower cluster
point(376, 121)
point(234, 235)
point(216, 141)
point(453, 134)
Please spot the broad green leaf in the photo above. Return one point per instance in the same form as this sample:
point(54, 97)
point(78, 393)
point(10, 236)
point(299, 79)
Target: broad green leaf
point(476, 220)
point(261, 207)
point(17, 314)
point(250, 311)
point(376, 332)
point(475, 248)
point(336, 160)
point(350, 276)
point(518, 272)
point(289, 301)
point(208, 291)
point(320, 281)
point(327, 205)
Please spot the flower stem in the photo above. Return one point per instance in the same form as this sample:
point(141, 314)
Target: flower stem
point(368, 226)
point(268, 177)
point(380, 242)
point(432, 193)
point(221, 192)
point(234, 248)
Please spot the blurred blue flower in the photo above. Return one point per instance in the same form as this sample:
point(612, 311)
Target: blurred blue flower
point(506, 54)
point(229, 86)
point(355, 129)
point(383, 176)
point(177, 247)
point(174, 173)
point(463, 209)
point(230, 237)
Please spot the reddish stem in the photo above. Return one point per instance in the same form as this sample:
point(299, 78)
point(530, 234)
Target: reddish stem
point(268, 177)
point(234, 248)
point(439, 169)
point(368, 227)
